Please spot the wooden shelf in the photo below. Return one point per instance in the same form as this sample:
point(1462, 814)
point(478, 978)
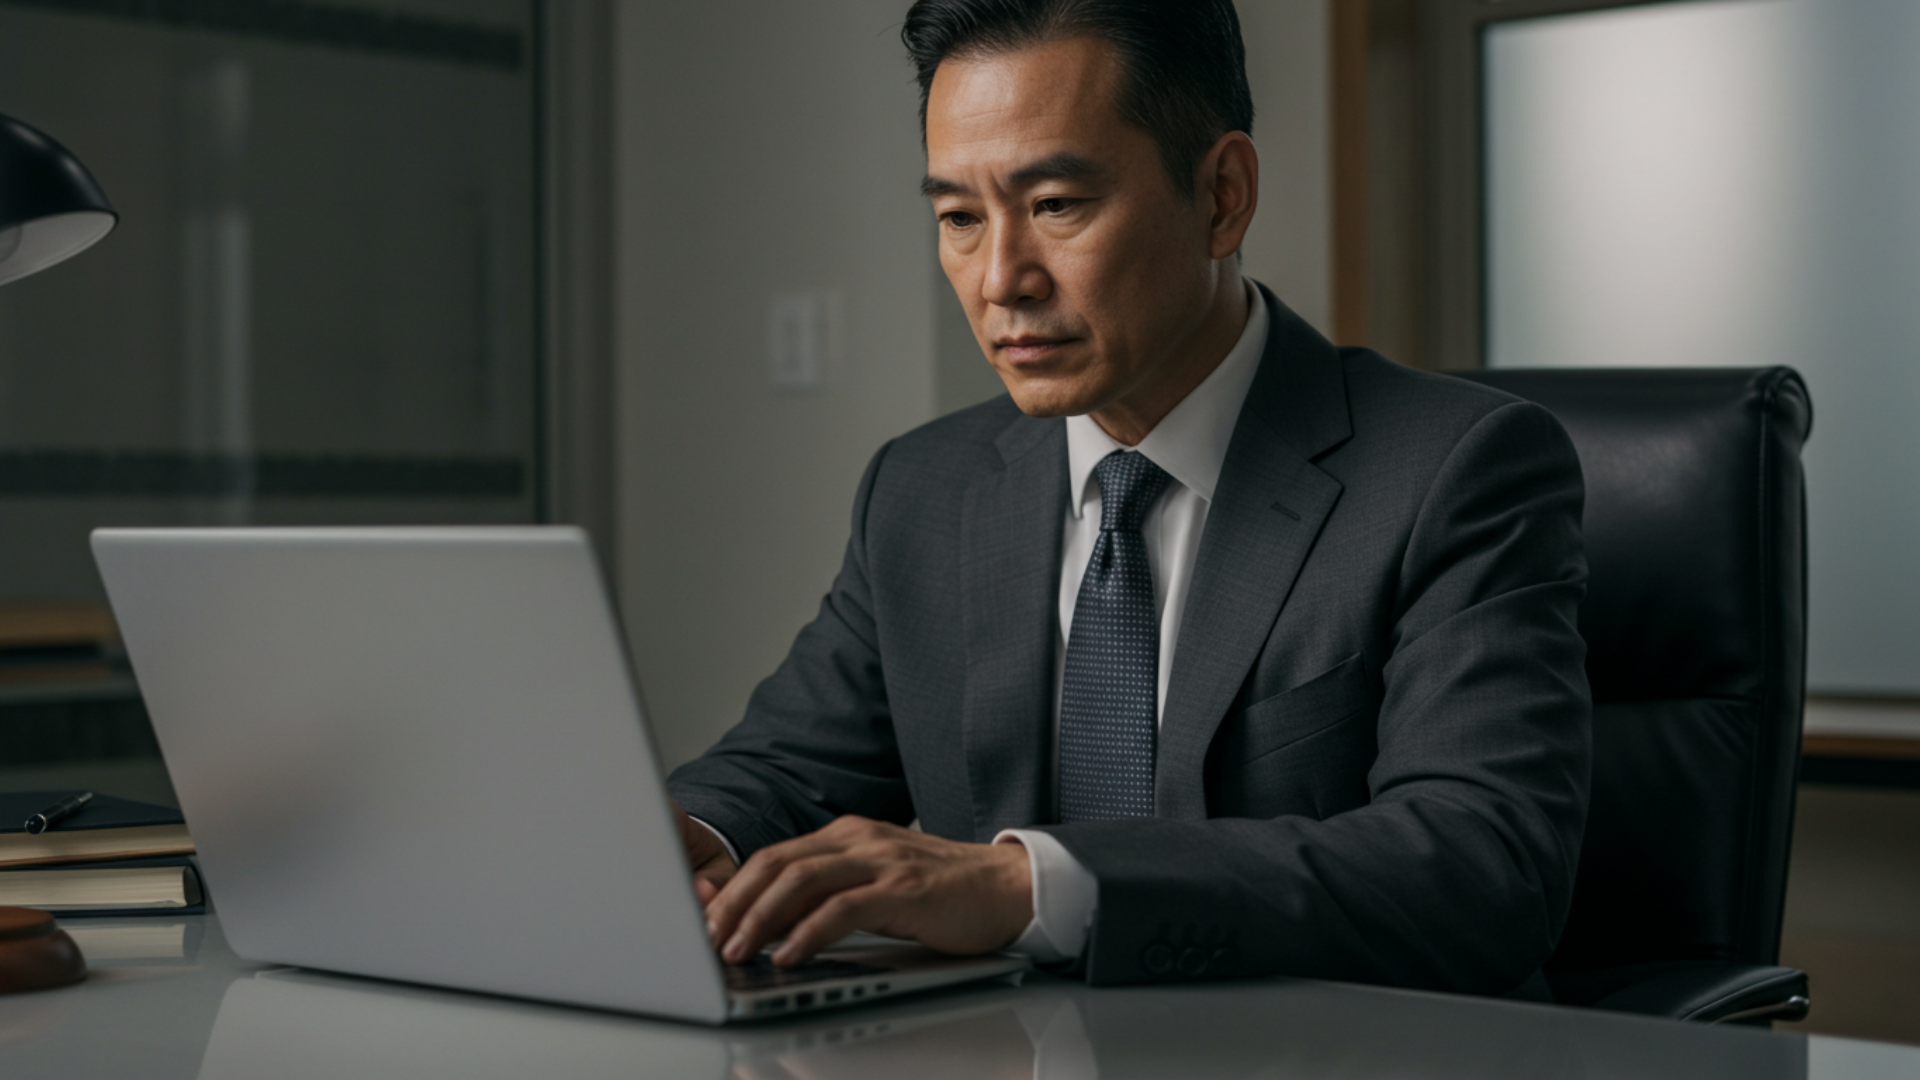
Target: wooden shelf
point(1882, 747)
point(54, 623)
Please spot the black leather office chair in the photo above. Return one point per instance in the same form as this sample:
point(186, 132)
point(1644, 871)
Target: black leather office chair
point(1695, 621)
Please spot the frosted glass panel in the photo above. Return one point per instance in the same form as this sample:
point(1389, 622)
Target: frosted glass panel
point(1735, 182)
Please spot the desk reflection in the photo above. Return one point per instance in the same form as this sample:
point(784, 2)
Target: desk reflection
point(84, 1030)
point(299, 1024)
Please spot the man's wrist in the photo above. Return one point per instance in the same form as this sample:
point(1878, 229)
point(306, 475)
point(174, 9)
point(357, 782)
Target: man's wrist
point(1063, 896)
point(1015, 873)
point(726, 845)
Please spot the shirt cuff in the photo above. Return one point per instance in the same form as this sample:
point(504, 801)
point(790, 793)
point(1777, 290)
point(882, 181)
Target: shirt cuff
point(1065, 894)
point(732, 852)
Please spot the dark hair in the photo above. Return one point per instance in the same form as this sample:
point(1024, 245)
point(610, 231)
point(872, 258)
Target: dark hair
point(1184, 68)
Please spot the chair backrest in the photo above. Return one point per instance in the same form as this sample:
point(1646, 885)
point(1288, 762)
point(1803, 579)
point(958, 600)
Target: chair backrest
point(1695, 622)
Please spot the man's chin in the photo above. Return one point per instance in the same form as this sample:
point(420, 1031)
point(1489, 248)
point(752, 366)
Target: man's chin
point(1046, 402)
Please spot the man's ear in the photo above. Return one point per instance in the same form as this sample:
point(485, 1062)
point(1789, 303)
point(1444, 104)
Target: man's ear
point(1229, 178)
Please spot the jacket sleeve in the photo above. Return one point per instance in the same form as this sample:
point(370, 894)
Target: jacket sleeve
point(1458, 872)
point(817, 740)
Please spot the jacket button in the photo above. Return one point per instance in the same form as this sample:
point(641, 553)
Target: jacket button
point(1223, 962)
point(1158, 959)
point(1193, 961)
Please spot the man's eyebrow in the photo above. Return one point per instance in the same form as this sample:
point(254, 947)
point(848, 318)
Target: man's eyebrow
point(1065, 165)
point(933, 187)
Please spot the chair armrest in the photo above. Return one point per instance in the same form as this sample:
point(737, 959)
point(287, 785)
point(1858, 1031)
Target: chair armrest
point(1710, 993)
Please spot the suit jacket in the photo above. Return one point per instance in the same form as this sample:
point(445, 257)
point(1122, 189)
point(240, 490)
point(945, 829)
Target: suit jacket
point(1374, 750)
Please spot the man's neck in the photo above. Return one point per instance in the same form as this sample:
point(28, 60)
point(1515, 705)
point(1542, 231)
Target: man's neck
point(1130, 419)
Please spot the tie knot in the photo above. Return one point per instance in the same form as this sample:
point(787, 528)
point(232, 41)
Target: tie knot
point(1128, 485)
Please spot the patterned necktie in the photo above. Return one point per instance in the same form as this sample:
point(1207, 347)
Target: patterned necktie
point(1108, 719)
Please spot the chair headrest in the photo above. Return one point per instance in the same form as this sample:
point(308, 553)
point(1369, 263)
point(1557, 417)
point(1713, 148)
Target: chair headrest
point(1693, 480)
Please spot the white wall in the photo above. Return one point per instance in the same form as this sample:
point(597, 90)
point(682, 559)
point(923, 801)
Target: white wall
point(1290, 247)
point(763, 146)
point(766, 146)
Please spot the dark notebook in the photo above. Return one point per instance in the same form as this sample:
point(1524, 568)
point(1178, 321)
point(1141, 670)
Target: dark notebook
point(164, 886)
point(106, 828)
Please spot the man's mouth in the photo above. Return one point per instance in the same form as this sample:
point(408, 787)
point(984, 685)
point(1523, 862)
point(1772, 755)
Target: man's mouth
point(1030, 348)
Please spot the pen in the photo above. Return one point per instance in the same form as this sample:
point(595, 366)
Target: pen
point(58, 812)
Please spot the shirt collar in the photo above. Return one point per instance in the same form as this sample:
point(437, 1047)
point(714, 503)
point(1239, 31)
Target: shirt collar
point(1190, 443)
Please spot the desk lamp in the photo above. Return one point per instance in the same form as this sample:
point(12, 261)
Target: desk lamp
point(50, 207)
point(50, 210)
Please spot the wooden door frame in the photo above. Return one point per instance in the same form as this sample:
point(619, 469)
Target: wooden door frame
point(1409, 263)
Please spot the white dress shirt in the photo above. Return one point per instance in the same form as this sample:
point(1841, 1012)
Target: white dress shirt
point(1190, 443)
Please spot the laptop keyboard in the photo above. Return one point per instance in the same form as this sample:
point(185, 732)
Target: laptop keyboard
point(760, 974)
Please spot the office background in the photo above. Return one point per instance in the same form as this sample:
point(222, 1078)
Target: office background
point(659, 268)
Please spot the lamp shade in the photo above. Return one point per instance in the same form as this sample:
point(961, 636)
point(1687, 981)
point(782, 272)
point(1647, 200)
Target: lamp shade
point(50, 207)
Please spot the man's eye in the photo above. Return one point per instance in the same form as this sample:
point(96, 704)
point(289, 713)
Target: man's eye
point(1055, 206)
point(958, 219)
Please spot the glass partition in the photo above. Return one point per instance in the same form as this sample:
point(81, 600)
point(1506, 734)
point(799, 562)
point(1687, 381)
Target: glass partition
point(1735, 182)
point(319, 306)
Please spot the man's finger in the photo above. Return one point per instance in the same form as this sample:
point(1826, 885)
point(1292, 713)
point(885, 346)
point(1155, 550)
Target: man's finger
point(742, 891)
point(799, 888)
point(738, 893)
point(860, 908)
point(709, 880)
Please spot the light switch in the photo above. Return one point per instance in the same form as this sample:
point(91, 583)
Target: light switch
point(803, 339)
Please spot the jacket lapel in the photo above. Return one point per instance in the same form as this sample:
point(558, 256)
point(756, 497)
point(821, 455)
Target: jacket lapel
point(1267, 510)
point(1010, 581)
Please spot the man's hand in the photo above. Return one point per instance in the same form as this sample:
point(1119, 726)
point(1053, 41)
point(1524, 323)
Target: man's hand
point(712, 866)
point(857, 874)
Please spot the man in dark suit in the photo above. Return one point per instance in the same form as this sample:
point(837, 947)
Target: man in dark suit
point(1211, 649)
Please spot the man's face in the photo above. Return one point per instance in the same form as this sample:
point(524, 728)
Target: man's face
point(1086, 275)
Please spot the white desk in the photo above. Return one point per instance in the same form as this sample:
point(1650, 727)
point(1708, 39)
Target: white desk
point(208, 1014)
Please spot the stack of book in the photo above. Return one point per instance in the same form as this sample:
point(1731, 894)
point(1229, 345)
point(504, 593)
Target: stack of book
point(112, 857)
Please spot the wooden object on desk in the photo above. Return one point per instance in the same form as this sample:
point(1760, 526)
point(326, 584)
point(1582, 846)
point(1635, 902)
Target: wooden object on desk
point(35, 954)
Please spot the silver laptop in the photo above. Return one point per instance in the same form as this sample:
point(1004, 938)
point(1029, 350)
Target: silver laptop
point(420, 754)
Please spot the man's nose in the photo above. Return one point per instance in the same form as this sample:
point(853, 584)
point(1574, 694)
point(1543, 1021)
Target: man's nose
point(1015, 272)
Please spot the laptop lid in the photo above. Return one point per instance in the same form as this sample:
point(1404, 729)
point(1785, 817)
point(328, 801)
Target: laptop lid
point(418, 754)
